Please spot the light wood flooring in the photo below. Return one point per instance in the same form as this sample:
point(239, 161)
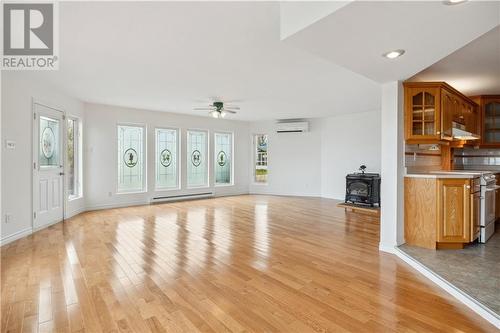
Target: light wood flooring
point(234, 264)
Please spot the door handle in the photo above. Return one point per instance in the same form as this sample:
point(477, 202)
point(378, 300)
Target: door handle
point(61, 173)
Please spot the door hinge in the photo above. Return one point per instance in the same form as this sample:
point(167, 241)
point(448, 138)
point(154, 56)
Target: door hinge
point(34, 165)
point(34, 215)
point(64, 117)
point(34, 115)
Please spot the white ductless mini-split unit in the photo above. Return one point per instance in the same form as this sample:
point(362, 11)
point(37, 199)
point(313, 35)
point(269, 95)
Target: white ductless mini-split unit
point(292, 126)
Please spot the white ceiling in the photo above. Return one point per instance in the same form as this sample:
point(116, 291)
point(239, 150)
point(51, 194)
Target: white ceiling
point(473, 69)
point(167, 56)
point(355, 36)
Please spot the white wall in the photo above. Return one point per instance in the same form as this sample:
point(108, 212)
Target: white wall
point(316, 163)
point(347, 142)
point(392, 152)
point(293, 162)
point(100, 153)
point(18, 90)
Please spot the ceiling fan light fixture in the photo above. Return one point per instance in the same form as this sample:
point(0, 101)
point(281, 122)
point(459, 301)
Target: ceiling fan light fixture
point(222, 113)
point(394, 54)
point(214, 114)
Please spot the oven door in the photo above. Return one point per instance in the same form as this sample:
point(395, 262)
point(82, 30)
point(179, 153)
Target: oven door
point(489, 205)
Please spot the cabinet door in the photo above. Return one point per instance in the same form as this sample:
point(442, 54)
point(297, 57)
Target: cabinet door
point(447, 109)
point(475, 210)
point(423, 113)
point(453, 211)
point(491, 122)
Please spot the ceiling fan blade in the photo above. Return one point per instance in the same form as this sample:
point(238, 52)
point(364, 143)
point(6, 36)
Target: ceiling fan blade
point(229, 111)
point(204, 108)
point(234, 107)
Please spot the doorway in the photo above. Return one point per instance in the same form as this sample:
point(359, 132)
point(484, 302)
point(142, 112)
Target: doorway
point(48, 165)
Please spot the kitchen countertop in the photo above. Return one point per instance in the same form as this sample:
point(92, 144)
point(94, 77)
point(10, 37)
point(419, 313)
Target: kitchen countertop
point(445, 174)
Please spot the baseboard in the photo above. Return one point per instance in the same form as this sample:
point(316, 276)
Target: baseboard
point(468, 301)
point(75, 212)
point(15, 236)
point(307, 195)
point(116, 205)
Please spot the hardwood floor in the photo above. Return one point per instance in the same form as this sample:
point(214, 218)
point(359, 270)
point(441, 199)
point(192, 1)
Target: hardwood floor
point(234, 264)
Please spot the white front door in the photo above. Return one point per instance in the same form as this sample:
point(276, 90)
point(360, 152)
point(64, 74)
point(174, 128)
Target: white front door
point(48, 157)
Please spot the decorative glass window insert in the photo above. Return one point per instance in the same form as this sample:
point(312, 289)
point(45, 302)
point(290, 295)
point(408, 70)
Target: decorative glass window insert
point(166, 158)
point(197, 172)
point(223, 158)
point(130, 158)
point(261, 172)
point(73, 156)
point(49, 154)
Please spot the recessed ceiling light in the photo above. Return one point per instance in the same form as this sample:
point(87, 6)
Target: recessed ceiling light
point(394, 54)
point(454, 2)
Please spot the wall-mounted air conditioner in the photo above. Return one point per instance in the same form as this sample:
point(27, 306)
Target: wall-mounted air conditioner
point(292, 127)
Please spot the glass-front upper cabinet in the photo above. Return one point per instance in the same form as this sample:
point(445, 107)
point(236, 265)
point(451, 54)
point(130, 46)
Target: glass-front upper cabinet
point(422, 109)
point(491, 123)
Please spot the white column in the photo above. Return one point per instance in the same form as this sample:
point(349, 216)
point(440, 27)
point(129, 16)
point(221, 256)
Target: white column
point(392, 167)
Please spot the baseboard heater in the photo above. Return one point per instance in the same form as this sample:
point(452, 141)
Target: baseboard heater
point(181, 197)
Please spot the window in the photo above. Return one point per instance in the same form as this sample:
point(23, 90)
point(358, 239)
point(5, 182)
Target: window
point(223, 158)
point(260, 141)
point(130, 158)
point(73, 154)
point(49, 155)
point(197, 173)
point(166, 158)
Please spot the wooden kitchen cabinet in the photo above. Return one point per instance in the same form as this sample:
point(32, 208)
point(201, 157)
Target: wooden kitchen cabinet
point(441, 213)
point(453, 211)
point(432, 107)
point(422, 105)
point(489, 112)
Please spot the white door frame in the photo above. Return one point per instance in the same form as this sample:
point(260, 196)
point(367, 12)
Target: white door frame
point(34, 158)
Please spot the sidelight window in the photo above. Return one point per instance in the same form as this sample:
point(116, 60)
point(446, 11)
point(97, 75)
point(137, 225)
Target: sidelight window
point(73, 154)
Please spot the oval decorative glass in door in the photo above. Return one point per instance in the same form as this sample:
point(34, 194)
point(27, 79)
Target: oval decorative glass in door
point(49, 142)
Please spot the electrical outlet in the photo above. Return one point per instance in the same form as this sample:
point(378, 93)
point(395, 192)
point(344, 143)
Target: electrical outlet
point(8, 218)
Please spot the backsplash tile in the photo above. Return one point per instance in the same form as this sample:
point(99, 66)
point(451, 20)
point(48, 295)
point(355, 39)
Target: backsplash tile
point(422, 158)
point(477, 159)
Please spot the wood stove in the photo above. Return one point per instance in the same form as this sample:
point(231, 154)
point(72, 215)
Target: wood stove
point(363, 189)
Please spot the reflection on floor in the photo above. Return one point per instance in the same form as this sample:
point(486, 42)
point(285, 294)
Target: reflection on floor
point(474, 270)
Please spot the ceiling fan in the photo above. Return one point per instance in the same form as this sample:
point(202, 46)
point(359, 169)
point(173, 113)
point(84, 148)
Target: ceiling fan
point(217, 109)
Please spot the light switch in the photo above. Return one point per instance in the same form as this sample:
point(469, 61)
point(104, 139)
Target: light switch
point(10, 144)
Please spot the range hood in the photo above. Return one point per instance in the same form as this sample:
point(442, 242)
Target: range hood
point(458, 132)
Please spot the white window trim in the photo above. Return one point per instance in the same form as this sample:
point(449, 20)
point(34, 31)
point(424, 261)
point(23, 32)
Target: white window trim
point(177, 161)
point(144, 157)
point(207, 144)
point(78, 157)
point(254, 159)
point(232, 160)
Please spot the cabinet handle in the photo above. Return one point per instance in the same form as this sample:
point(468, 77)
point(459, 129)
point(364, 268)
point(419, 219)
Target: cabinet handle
point(438, 132)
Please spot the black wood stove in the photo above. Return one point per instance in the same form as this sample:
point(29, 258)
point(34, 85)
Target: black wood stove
point(363, 188)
